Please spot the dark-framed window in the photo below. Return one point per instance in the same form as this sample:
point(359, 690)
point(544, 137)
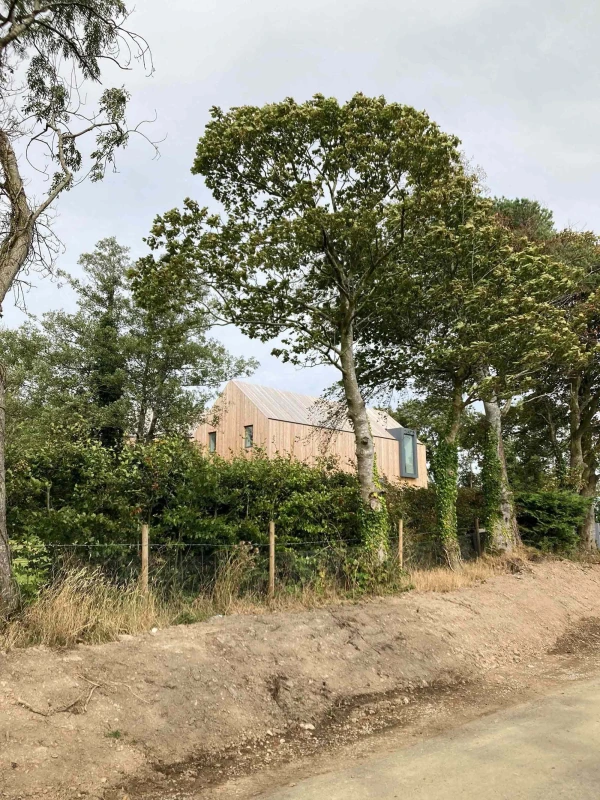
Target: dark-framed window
point(212, 442)
point(248, 436)
point(409, 466)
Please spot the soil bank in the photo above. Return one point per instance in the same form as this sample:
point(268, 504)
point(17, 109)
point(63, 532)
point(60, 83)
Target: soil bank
point(95, 720)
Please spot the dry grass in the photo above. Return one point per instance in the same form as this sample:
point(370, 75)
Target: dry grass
point(84, 606)
point(442, 579)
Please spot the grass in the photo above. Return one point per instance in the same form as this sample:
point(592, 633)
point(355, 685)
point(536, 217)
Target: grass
point(83, 606)
point(442, 579)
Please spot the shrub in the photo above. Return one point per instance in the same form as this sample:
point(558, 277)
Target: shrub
point(417, 507)
point(73, 496)
point(549, 520)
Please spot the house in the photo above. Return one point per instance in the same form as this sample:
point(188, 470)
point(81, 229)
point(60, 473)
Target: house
point(248, 416)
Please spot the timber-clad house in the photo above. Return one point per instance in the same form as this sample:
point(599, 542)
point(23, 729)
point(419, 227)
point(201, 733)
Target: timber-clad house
point(248, 416)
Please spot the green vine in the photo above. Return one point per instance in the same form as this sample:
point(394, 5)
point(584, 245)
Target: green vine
point(375, 524)
point(445, 473)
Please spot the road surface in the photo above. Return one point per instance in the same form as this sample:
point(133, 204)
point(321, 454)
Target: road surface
point(544, 750)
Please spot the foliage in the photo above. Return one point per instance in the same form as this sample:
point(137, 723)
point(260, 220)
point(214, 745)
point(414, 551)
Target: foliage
point(119, 367)
point(31, 564)
point(527, 219)
point(417, 507)
point(319, 200)
point(76, 492)
point(445, 472)
point(549, 520)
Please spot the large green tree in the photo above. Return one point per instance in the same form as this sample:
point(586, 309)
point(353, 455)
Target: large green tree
point(120, 369)
point(479, 323)
point(571, 379)
point(319, 199)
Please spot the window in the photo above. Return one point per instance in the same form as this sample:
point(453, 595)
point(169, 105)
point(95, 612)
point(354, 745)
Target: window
point(212, 442)
point(408, 455)
point(248, 435)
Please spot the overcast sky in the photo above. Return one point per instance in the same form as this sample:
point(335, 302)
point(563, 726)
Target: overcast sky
point(517, 81)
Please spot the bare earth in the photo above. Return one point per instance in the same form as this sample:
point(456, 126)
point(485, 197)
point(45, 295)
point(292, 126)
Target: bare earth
point(242, 705)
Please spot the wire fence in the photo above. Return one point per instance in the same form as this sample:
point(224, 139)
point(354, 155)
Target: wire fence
point(194, 567)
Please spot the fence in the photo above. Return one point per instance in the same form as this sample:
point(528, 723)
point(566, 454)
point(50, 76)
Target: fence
point(259, 567)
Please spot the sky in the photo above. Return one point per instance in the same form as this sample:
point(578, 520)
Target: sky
point(517, 82)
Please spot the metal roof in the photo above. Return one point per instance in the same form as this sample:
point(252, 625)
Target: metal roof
point(305, 410)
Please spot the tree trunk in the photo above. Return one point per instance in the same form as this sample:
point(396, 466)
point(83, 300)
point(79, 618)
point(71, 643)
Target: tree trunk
point(375, 531)
point(576, 463)
point(16, 245)
point(502, 529)
point(8, 591)
point(14, 250)
point(445, 473)
point(560, 469)
point(587, 532)
point(583, 467)
point(357, 411)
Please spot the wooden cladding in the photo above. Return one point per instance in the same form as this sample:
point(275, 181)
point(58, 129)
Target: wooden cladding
point(235, 420)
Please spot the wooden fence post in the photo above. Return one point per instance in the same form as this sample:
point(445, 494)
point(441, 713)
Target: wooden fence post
point(144, 574)
point(477, 537)
point(271, 559)
point(401, 543)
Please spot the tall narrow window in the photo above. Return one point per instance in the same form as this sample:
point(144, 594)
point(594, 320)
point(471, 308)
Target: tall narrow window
point(212, 442)
point(248, 435)
point(408, 455)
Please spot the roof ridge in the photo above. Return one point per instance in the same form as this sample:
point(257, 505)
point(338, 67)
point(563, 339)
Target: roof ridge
point(269, 399)
point(283, 391)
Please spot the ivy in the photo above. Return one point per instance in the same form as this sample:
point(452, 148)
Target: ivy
point(445, 473)
point(375, 524)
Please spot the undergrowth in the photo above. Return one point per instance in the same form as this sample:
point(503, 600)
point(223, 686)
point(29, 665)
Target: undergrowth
point(84, 606)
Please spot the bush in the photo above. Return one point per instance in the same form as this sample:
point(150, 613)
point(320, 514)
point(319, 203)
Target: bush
point(416, 506)
point(549, 520)
point(73, 496)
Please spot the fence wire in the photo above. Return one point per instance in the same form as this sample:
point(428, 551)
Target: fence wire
point(194, 566)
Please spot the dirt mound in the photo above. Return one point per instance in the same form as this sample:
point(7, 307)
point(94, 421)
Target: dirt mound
point(77, 723)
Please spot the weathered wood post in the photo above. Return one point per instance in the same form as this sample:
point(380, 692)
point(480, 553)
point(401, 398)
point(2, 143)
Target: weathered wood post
point(477, 537)
point(271, 559)
point(401, 543)
point(145, 547)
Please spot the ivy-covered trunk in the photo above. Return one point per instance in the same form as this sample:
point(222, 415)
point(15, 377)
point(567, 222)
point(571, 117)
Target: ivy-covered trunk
point(445, 473)
point(375, 521)
point(8, 589)
point(500, 519)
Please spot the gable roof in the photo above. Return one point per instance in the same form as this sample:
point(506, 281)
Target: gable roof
point(306, 410)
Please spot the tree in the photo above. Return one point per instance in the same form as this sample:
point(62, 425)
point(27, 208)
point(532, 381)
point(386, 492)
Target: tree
point(572, 377)
point(577, 372)
point(536, 438)
point(479, 322)
point(103, 308)
point(49, 51)
point(118, 368)
point(528, 222)
point(173, 366)
point(319, 199)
